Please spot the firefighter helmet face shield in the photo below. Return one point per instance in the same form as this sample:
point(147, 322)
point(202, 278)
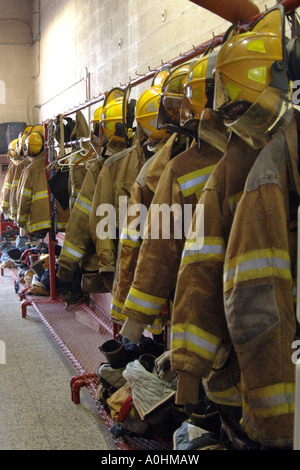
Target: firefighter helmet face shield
point(212, 130)
point(198, 90)
point(128, 115)
point(170, 107)
point(264, 118)
point(13, 149)
point(224, 102)
point(96, 120)
point(117, 118)
point(160, 77)
point(21, 144)
point(112, 119)
point(27, 130)
point(171, 96)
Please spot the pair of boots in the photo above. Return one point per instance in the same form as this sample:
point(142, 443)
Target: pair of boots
point(120, 353)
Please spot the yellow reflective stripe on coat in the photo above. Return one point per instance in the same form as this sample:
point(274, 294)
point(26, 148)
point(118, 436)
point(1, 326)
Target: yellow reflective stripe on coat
point(144, 303)
point(273, 400)
point(5, 204)
point(116, 309)
point(256, 265)
point(203, 249)
point(39, 226)
point(84, 204)
point(232, 396)
point(26, 192)
point(195, 181)
point(15, 183)
point(130, 237)
point(62, 225)
point(157, 326)
point(72, 251)
point(40, 195)
point(194, 339)
point(8, 186)
point(75, 192)
point(23, 218)
point(233, 201)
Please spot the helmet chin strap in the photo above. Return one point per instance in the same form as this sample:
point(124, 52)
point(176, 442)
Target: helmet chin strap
point(178, 129)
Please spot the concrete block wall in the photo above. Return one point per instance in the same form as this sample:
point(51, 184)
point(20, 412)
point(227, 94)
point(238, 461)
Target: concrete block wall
point(111, 42)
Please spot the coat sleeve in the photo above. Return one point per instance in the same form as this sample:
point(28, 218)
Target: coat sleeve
point(25, 201)
point(20, 185)
point(78, 240)
point(159, 258)
point(7, 186)
point(15, 183)
point(103, 222)
point(128, 252)
point(198, 319)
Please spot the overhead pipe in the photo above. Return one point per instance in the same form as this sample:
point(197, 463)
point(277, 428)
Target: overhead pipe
point(240, 11)
point(235, 11)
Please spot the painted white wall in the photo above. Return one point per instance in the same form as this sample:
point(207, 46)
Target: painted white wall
point(16, 64)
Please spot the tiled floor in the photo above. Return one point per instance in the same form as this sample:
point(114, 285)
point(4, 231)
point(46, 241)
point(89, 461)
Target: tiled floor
point(36, 410)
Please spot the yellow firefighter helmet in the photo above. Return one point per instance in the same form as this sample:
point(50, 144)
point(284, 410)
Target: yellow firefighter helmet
point(117, 118)
point(27, 130)
point(97, 118)
point(252, 87)
point(38, 128)
point(34, 144)
point(146, 115)
point(13, 148)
